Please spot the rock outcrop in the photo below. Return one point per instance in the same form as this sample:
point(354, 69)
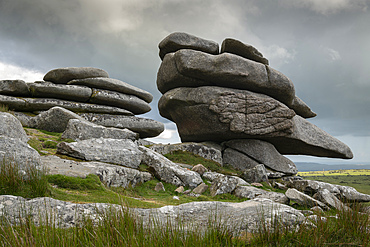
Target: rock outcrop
point(236, 99)
point(81, 90)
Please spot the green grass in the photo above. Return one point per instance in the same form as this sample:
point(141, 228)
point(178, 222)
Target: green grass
point(4, 108)
point(193, 159)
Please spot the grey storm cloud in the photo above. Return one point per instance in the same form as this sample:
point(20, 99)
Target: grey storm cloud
point(322, 46)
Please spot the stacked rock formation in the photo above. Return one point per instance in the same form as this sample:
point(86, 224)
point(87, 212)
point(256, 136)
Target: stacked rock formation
point(235, 98)
point(86, 91)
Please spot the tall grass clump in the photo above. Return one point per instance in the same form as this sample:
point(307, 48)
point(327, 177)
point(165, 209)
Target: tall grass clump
point(4, 108)
point(29, 182)
point(347, 228)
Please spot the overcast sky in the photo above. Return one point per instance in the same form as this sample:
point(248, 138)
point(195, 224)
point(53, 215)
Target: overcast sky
point(323, 46)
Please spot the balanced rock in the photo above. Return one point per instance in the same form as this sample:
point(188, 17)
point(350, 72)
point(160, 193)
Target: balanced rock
point(113, 85)
point(14, 87)
point(144, 126)
point(264, 153)
point(79, 130)
point(244, 50)
point(177, 41)
point(117, 151)
point(64, 75)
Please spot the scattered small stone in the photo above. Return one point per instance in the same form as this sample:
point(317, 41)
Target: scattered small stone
point(176, 198)
point(159, 187)
point(187, 192)
point(317, 209)
point(307, 212)
point(199, 169)
point(193, 194)
point(279, 186)
point(200, 189)
point(180, 189)
point(257, 184)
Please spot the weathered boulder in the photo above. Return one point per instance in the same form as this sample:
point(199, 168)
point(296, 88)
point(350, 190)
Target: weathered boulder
point(176, 41)
point(212, 176)
point(10, 126)
point(113, 85)
point(252, 192)
point(219, 114)
point(55, 119)
point(207, 150)
point(303, 199)
point(329, 199)
point(79, 130)
point(256, 174)
point(200, 189)
point(237, 160)
point(264, 153)
point(168, 171)
point(159, 187)
point(17, 152)
point(64, 75)
point(345, 193)
point(145, 127)
point(44, 104)
point(245, 215)
point(117, 151)
point(110, 175)
point(244, 50)
point(131, 103)
point(229, 70)
point(199, 169)
point(14, 88)
point(223, 185)
point(301, 109)
point(60, 91)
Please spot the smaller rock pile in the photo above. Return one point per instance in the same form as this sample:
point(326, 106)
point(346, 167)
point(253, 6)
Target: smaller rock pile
point(237, 100)
point(86, 91)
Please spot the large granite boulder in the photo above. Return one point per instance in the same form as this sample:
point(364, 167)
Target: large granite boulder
point(330, 200)
point(223, 185)
point(177, 41)
point(14, 88)
point(169, 172)
point(60, 91)
point(44, 104)
point(117, 151)
point(256, 174)
point(109, 174)
point(131, 103)
point(113, 85)
point(64, 75)
point(244, 50)
point(251, 192)
point(264, 153)
point(237, 160)
point(79, 130)
point(221, 114)
point(11, 127)
point(144, 126)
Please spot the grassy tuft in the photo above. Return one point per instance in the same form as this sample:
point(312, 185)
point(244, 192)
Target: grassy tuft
point(30, 182)
point(4, 108)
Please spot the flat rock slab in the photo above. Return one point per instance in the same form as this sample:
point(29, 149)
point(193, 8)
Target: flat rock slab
point(246, 216)
point(128, 102)
point(244, 50)
point(252, 192)
point(303, 199)
point(113, 85)
point(80, 129)
point(264, 153)
point(14, 88)
point(110, 175)
point(44, 104)
point(168, 171)
point(117, 151)
point(207, 150)
point(10, 126)
point(64, 75)
point(144, 126)
point(60, 91)
point(221, 114)
point(19, 153)
point(176, 41)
